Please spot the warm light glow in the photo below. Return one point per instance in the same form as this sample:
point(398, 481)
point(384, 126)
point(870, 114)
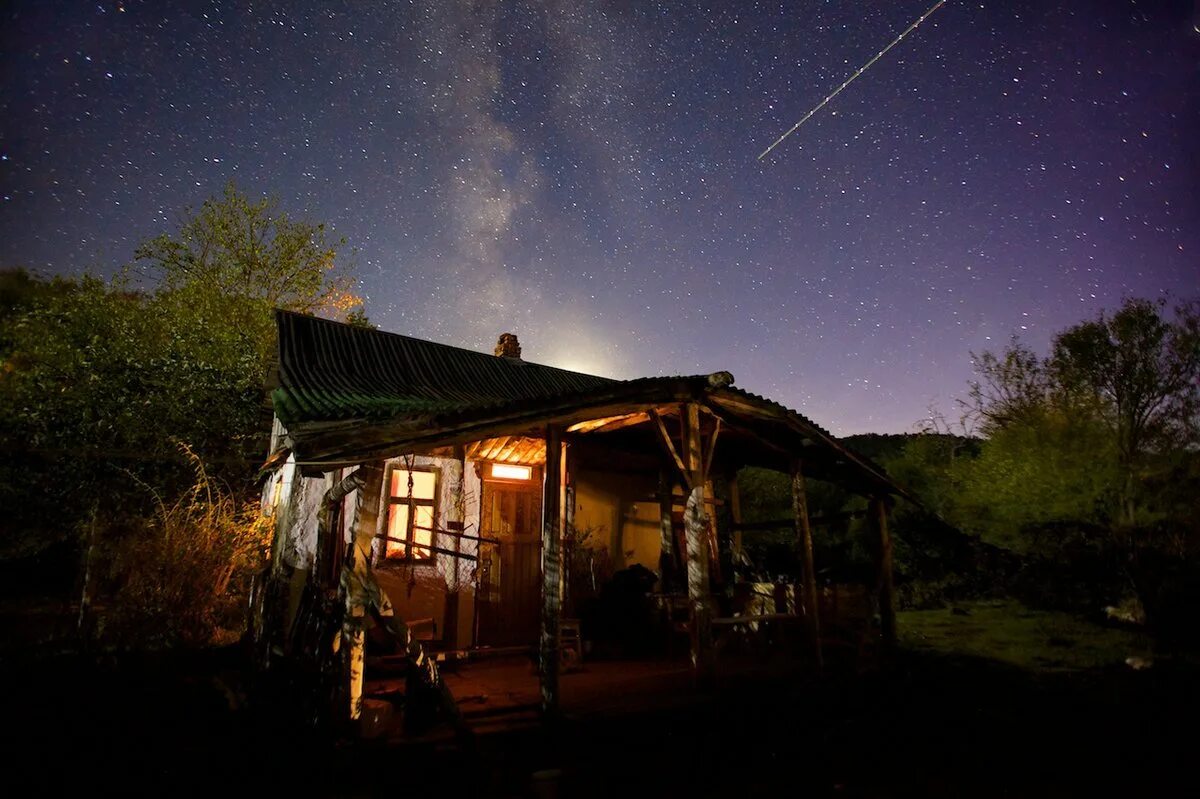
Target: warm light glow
point(397, 531)
point(423, 483)
point(507, 471)
point(422, 531)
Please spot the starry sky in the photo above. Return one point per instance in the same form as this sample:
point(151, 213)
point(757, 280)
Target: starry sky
point(584, 173)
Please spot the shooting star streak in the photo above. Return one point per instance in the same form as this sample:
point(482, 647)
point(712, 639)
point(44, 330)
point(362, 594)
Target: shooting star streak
point(850, 79)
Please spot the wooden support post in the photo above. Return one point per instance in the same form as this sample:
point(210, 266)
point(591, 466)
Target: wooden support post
point(804, 544)
point(666, 529)
point(696, 526)
point(455, 523)
point(568, 521)
point(883, 570)
point(551, 570)
point(735, 514)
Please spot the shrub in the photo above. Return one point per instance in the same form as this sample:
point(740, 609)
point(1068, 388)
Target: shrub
point(183, 575)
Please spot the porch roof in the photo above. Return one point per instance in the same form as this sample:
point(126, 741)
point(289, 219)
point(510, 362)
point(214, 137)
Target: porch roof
point(348, 395)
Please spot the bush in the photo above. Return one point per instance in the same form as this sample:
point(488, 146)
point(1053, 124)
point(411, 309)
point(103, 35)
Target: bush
point(183, 575)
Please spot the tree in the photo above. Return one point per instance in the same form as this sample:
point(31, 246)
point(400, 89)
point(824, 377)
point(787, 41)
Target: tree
point(1127, 386)
point(101, 383)
point(1011, 388)
point(1143, 372)
point(238, 248)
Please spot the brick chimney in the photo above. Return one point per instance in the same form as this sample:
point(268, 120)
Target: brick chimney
point(507, 346)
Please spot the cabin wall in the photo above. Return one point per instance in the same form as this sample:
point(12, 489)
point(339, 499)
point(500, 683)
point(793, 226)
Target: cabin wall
point(416, 591)
point(618, 512)
point(420, 590)
point(298, 546)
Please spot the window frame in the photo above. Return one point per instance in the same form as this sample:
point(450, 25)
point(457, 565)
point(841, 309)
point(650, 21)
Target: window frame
point(433, 504)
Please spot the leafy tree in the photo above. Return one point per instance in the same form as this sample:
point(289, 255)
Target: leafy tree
point(1090, 458)
point(1126, 387)
point(233, 247)
point(101, 383)
point(1143, 373)
point(1049, 469)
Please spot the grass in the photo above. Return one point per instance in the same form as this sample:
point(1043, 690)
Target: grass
point(1008, 632)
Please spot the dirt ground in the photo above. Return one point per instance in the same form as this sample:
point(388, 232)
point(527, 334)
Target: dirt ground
point(953, 717)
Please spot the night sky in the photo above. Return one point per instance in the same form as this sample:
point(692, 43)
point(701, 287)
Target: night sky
point(584, 174)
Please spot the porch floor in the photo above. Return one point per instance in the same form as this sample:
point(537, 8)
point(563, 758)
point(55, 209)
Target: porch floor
point(502, 694)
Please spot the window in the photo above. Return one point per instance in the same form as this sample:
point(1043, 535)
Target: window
point(410, 522)
point(507, 471)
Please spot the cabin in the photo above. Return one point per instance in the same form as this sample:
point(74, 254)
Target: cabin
point(466, 502)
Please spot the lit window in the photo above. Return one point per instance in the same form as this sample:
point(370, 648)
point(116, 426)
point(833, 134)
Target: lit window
point(506, 471)
point(410, 515)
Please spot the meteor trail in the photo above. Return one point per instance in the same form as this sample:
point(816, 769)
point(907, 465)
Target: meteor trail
point(850, 79)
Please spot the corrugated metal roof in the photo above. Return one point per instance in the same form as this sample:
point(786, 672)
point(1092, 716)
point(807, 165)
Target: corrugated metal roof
point(329, 370)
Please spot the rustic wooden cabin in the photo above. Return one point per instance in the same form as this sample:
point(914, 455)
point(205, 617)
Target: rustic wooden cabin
point(431, 487)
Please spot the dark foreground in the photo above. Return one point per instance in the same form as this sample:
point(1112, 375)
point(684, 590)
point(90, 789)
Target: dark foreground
point(935, 725)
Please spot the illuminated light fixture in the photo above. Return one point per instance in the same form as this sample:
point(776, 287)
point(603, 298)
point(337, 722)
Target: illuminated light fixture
point(506, 471)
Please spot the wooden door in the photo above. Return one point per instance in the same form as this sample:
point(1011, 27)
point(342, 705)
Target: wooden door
point(510, 573)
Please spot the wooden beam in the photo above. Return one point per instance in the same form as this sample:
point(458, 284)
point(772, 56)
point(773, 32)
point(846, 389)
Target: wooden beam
point(804, 543)
point(632, 420)
point(665, 439)
point(883, 566)
point(712, 447)
point(774, 446)
point(430, 547)
point(696, 527)
point(607, 423)
point(551, 570)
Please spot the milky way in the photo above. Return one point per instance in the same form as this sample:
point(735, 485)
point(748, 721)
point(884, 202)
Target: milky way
point(584, 173)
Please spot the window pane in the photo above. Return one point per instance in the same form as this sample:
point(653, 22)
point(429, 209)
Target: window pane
point(508, 471)
point(423, 519)
point(422, 484)
point(397, 531)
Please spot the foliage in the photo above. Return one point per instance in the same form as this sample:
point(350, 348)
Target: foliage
point(1051, 467)
point(101, 380)
point(1116, 393)
point(1090, 459)
point(235, 247)
point(182, 575)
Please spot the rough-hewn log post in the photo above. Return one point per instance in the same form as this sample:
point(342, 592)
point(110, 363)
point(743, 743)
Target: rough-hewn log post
point(551, 569)
point(568, 529)
point(804, 545)
point(882, 547)
point(696, 527)
point(738, 556)
point(368, 481)
point(455, 523)
point(666, 529)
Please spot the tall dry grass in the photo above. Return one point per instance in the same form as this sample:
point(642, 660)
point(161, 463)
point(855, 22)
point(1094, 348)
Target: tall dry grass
point(183, 575)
